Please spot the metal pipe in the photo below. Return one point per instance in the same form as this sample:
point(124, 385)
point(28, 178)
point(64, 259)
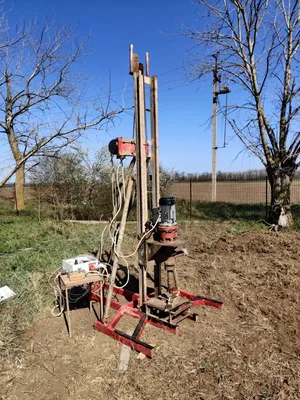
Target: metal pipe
point(147, 65)
point(131, 58)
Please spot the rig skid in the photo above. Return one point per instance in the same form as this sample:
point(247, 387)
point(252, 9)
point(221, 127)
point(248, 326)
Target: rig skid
point(159, 245)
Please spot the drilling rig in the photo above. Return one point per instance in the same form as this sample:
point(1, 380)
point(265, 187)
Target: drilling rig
point(159, 245)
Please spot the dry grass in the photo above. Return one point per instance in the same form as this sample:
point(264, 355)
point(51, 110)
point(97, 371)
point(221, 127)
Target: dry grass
point(247, 350)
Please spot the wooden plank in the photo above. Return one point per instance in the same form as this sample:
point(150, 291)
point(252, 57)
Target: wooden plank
point(164, 322)
point(181, 317)
point(89, 278)
point(180, 310)
point(179, 302)
point(141, 173)
point(156, 303)
point(154, 139)
point(76, 276)
point(124, 357)
point(118, 249)
point(141, 178)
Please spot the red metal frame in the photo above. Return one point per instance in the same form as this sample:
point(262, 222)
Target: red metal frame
point(128, 148)
point(131, 309)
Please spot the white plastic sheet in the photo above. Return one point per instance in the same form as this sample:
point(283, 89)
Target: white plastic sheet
point(6, 293)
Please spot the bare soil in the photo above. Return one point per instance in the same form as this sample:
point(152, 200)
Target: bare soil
point(250, 349)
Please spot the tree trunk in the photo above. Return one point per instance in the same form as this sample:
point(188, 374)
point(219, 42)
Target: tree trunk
point(19, 189)
point(280, 211)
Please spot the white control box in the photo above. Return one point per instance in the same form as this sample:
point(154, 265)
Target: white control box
point(83, 262)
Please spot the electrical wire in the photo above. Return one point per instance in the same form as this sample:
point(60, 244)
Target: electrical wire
point(120, 201)
point(120, 90)
point(120, 255)
point(102, 242)
point(103, 274)
point(225, 120)
point(140, 242)
point(120, 194)
point(61, 306)
point(57, 293)
point(113, 237)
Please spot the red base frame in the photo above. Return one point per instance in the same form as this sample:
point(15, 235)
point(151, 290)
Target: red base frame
point(131, 309)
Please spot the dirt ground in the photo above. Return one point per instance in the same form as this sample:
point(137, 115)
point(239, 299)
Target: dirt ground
point(250, 349)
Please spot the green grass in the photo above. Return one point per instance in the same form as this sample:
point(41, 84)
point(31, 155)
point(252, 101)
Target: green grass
point(246, 213)
point(30, 251)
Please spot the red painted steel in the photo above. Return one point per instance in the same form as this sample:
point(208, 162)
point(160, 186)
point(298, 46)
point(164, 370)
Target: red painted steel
point(199, 300)
point(131, 310)
point(110, 332)
point(126, 148)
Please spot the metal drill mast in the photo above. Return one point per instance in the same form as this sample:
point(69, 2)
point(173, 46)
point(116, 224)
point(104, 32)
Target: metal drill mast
point(157, 231)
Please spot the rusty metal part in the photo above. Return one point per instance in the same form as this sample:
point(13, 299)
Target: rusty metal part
point(171, 272)
point(166, 233)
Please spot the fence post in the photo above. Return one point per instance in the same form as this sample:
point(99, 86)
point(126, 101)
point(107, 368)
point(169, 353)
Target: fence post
point(191, 197)
point(266, 197)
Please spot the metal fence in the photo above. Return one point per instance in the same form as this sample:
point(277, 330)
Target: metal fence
point(243, 192)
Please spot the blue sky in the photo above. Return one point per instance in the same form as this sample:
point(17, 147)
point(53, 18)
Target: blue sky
point(184, 107)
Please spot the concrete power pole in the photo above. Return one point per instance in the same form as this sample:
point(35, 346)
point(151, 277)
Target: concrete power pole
point(223, 90)
point(214, 131)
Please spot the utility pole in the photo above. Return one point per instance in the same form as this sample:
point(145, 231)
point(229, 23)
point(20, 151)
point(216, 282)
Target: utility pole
point(223, 90)
point(216, 80)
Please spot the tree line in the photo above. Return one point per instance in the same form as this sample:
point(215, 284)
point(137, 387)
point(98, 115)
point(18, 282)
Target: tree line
point(78, 185)
point(250, 175)
point(43, 107)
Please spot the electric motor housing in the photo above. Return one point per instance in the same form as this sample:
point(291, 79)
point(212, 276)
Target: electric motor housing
point(167, 211)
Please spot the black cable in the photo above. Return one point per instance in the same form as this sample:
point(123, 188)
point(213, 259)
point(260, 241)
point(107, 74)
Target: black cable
point(225, 120)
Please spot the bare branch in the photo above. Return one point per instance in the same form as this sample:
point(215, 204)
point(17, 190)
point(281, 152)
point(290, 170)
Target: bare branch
point(42, 110)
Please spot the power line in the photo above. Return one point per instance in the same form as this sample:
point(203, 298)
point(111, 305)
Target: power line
point(121, 94)
point(129, 95)
point(121, 89)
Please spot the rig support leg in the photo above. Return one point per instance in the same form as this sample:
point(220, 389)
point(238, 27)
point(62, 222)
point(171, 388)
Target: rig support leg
point(118, 250)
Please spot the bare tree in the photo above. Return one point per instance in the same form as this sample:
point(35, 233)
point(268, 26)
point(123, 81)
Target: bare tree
point(42, 95)
point(258, 46)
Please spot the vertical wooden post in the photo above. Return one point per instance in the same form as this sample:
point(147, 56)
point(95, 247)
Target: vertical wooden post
point(191, 197)
point(154, 139)
point(117, 250)
point(141, 179)
point(266, 197)
point(141, 168)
